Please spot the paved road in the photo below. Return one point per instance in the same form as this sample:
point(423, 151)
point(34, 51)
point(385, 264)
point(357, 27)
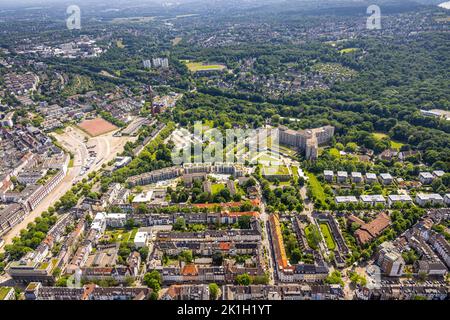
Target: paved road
point(266, 244)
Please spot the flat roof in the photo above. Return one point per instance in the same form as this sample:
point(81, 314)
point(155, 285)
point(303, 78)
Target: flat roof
point(346, 199)
point(399, 197)
point(429, 196)
point(143, 197)
point(140, 236)
point(438, 173)
point(372, 197)
point(426, 175)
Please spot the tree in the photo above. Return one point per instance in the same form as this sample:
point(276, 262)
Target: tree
point(410, 256)
point(186, 256)
point(62, 282)
point(142, 209)
point(144, 252)
point(244, 279)
point(69, 200)
point(244, 222)
point(423, 276)
point(180, 224)
point(296, 255)
point(213, 291)
point(153, 280)
point(130, 224)
point(436, 184)
point(153, 284)
point(313, 236)
point(264, 279)
point(335, 278)
point(355, 278)
point(351, 147)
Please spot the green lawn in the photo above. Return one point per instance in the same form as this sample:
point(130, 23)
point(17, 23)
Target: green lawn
point(267, 157)
point(217, 187)
point(200, 66)
point(295, 174)
point(379, 135)
point(326, 232)
point(286, 150)
point(3, 292)
point(122, 235)
point(348, 50)
point(394, 144)
point(276, 170)
point(316, 187)
point(282, 170)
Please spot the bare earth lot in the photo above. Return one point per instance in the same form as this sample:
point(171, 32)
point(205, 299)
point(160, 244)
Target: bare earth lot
point(97, 127)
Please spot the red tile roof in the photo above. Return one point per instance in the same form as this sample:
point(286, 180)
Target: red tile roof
point(189, 270)
point(370, 230)
point(225, 245)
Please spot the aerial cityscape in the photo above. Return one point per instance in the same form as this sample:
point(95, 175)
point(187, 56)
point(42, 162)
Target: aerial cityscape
point(225, 150)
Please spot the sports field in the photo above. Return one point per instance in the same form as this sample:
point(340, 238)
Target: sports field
point(97, 127)
point(200, 66)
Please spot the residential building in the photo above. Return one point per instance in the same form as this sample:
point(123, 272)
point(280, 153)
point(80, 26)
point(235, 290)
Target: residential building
point(306, 140)
point(438, 173)
point(99, 222)
point(116, 220)
point(328, 175)
point(342, 176)
point(371, 177)
point(426, 177)
point(373, 199)
point(423, 199)
point(345, 199)
point(447, 199)
point(140, 239)
point(386, 178)
point(441, 246)
point(356, 177)
point(369, 231)
point(187, 292)
point(398, 198)
point(390, 260)
point(430, 267)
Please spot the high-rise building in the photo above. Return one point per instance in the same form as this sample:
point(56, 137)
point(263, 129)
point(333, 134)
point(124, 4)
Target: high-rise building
point(306, 140)
point(390, 260)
